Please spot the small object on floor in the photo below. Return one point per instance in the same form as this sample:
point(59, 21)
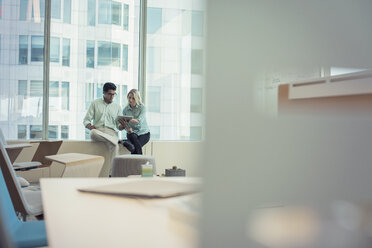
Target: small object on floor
point(175, 172)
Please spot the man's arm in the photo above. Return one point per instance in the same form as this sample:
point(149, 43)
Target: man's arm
point(89, 117)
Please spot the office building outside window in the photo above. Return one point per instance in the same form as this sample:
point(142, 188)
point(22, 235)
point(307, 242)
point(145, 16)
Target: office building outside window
point(66, 52)
point(23, 50)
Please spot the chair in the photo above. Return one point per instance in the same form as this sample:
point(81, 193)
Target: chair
point(13, 232)
point(45, 148)
point(125, 165)
point(26, 202)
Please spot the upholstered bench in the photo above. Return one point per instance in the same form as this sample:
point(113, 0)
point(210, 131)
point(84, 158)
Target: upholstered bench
point(125, 165)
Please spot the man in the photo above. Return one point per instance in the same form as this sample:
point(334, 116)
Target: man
point(101, 121)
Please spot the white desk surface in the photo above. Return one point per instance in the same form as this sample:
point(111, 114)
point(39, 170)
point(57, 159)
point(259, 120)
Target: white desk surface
point(76, 219)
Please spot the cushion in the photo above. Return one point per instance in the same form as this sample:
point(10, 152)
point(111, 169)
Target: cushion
point(23, 182)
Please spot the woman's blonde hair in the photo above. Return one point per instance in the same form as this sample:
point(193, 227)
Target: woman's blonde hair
point(136, 96)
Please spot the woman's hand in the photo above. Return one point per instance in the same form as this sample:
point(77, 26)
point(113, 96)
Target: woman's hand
point(134, 121)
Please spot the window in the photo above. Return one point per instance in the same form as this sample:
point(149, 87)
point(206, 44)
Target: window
point(67, 11)
point(53, 132)
point(64, 132)
point(108, 53)
point(174, 69)
point(197, 61)
point(31, 10)
point(153, 59)
point(195, 133)
point(115, 54)
point(66, 52)
point(35, 132)
point(56, 9)
point(155, 132)
point(91, 15)
point(153, 97)
point(116, 13)
point(109, 12)
point(21, 131)
point(124, 92)
point(197, 23)
point(125, 58)
point(37, 48)
point(53, 95)
point(126, 17)
point(23, 10)
point(90, 54)
point(89, 94)
point(154, 20)
point(54, 49)
point(22, 94)
point(36, 88)
point(196, 100)
point(23, 50)
point(65, 93)
point(22, 88)
point(99, 90)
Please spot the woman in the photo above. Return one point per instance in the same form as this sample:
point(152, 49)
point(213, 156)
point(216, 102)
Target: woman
point(138, 133)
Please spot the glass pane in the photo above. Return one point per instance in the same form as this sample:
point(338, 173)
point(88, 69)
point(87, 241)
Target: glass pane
point(89, 94)
point(56, 9)
point(23, 10)
point(174, 69)
point(116, 13)
point(154, 20)
point(37, 48)
point(197, 26)
point(36, 88)
point(53, 132)
point(153, 62)
point(155, 132)
point(124, 92)
point(104, 53)
point(54, 49)
point(67, 11)
point(115, 57)
point(66, 52)
point(64, 132)
point(90, 54)
point(91, 15)
point(54, 103)
point(196, 100)
point(125, 58)
point(104, 12)
point(126, 17)
point(153, 98)
point(22, 94)
point(23, 50)
point(22, 132)
point(197, 61)
point(21, 67)
point(36, 132)
point(65, 94)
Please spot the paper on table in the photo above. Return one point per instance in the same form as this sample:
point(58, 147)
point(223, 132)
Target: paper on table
point(149, 188)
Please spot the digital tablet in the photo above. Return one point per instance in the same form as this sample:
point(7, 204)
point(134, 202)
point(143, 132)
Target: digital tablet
point(126, 118)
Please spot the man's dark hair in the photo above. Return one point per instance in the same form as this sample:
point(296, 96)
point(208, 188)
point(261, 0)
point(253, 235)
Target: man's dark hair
point(109, 86)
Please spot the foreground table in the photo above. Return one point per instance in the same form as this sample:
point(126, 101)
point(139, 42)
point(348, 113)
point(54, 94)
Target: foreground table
point(76, 219)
